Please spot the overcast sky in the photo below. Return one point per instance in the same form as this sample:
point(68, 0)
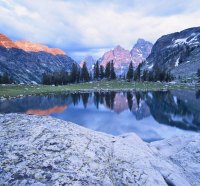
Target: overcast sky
point(90, 27)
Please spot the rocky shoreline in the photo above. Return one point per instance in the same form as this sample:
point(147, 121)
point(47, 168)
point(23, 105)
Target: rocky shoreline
point(41, 150)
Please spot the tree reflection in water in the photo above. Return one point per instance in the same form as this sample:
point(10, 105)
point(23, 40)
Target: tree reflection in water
point(173, 108)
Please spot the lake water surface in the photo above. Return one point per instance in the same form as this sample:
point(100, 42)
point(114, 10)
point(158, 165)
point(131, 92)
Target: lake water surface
point(151, 115)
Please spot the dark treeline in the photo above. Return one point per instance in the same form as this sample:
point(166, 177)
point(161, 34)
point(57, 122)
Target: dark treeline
point(145, 75)
point(5, 79)
point(107, 73)
point(78, 75)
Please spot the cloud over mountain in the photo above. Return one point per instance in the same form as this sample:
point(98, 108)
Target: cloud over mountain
point(91, 27)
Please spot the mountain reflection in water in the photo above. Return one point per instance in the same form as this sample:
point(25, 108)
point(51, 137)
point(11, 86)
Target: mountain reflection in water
point(56, 109)
point(152, 115)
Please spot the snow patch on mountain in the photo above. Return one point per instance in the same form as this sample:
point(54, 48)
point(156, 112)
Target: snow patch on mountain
point(177, 62)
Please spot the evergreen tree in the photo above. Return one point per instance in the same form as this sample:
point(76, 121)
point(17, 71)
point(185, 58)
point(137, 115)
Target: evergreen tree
point(78, 75)
point(129, 75)
point(57, 78)
point(112, 71)
point(96, 71)
point(101, 73)
point(45, 79)
point(85, 74)
point(145, 75)
point(150, 76)
point(137, 73)
point(107, 70)
point(5, 79)
point(74, 72)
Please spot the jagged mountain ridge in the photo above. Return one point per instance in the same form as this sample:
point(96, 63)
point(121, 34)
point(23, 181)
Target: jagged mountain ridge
point(178, 52)
point(28, 66)
point(6, 42)
point(140, 51)
point(29, 46)
point(122, 57)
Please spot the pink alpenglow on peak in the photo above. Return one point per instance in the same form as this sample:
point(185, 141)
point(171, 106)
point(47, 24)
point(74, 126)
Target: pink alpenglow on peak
point(29, 46)
point(118, 55)
point(6, 42)
point(122, 57)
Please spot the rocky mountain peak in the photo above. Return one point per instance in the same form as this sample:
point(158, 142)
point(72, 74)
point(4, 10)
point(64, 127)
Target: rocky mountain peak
point(118, 48)
point(29, 46)
point(122, 57)
point(143, 47)
point(6, 42)
point(141, 41)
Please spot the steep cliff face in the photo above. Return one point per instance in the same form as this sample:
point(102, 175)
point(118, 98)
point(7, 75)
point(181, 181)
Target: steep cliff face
point(177, 52)
point(25, 62)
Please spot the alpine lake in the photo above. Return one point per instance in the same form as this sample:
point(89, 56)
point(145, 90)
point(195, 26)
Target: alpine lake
point(153, 115)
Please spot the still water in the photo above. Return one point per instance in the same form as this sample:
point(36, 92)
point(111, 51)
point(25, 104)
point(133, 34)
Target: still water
point(151, 115)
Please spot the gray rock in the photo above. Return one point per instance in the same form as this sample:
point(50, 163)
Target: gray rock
point(41, 150)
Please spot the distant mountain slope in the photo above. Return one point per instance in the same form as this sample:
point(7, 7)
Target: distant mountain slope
point(178, 52)
point(27, 66)
point(89, 62)
point(122, 57)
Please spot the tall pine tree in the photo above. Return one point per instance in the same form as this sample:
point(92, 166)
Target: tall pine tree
point(101, 73)
point(137, 73)
point(73, 75)
point(112, 71)
point(85, 74)
point(96, 71)
point(129, 75)
point(107, 70)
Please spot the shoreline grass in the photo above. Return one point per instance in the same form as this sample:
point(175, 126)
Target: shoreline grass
point(23, 90)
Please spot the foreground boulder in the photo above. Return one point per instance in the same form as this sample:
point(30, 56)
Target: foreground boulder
point(36, 150)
